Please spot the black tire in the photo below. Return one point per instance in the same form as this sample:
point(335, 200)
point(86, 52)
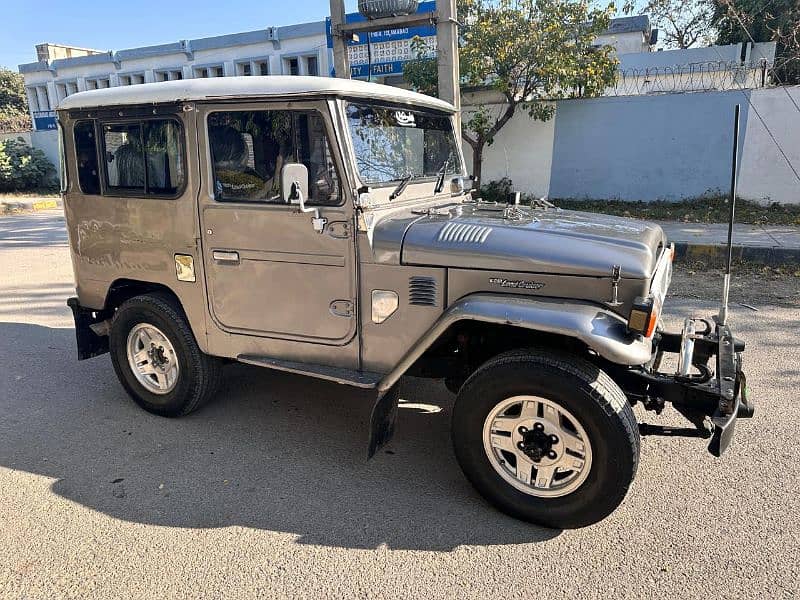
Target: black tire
point(586, 392)
point(453, 384)
point(199, 374)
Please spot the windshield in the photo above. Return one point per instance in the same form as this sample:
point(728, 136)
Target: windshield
point(392, 143)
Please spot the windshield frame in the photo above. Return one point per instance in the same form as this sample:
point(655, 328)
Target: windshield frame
point(456, 167)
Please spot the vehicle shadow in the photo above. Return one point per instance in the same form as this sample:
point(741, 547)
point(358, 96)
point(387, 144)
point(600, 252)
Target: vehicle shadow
point(274, 451)
point(38, 230)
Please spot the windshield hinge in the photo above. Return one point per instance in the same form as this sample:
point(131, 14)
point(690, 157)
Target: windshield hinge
point(363, 198)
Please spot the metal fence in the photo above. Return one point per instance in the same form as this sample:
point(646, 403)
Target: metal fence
point(701, 76)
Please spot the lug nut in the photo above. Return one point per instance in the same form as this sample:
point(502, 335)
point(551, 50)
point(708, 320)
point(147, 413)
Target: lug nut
point(523, 430)
point(538, 427)
point(551, 455)
point(554, 439)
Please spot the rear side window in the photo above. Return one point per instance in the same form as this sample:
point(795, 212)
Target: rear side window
point(86, 152)
point(144, 157)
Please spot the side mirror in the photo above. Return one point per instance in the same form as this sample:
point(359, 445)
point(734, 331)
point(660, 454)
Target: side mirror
point(294, 190)
point(294, 183)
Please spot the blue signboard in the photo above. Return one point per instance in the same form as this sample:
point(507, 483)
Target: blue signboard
point(44, 119)
point(378, 68)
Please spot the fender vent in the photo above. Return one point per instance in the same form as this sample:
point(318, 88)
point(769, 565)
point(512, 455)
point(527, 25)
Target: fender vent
point(464, 233)
point(422, 291)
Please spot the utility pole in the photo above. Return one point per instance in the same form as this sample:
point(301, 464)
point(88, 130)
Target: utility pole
point(447, 56)
point(341, 63)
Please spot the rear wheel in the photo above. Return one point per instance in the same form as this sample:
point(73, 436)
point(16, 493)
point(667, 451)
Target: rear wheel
point(157, 359)
point(547, 438)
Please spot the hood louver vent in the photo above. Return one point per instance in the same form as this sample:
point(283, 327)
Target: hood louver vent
point(422, 291)
point(464, 233)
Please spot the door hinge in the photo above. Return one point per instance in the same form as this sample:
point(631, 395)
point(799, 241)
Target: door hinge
point(338, 229)
point(342, 308)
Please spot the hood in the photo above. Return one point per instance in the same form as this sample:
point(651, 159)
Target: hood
point(524, 239)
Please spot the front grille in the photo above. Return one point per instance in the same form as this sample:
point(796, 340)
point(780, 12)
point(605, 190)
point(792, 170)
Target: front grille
point(422, 291)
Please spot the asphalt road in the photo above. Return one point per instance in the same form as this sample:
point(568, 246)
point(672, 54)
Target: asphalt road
point(266, 493)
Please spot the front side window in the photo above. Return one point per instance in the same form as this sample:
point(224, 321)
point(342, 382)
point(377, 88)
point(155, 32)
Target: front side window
point(86, 152)
point(249, 149)
point(392, 143)
point(144, 157)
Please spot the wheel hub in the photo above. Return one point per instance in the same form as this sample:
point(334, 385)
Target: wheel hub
point(536, 444)
point(157, 357)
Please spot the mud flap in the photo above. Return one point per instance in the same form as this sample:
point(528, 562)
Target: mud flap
point(383, 420)
point(89, 343)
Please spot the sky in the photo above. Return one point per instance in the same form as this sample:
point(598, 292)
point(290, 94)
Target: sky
point(119, 25)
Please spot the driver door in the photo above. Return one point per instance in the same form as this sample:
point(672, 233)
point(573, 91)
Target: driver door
point(268, 272)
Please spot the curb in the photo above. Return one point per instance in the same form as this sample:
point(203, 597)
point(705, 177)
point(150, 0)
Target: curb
point(718, 254)
point(32, 206)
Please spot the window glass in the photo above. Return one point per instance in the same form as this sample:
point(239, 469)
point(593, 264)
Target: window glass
point(311, 65)
point(392, 143)
point(62, 161)
point(144, 157)
point(86, 152)
point(249, 148)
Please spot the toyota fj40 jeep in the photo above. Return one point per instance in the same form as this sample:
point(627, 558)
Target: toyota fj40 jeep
point(322, 226)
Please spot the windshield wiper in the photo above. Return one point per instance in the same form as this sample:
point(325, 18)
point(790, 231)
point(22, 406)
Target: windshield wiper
point(401, 187)
point(440, 176)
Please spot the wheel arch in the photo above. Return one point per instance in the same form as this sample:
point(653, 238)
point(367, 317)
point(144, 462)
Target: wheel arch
point(547, 321)
point(123, 289)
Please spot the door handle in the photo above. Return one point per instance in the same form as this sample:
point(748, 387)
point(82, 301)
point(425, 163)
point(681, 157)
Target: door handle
point(225, 256)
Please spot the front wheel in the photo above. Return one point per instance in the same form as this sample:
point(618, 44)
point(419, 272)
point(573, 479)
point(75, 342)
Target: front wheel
point(546, 438)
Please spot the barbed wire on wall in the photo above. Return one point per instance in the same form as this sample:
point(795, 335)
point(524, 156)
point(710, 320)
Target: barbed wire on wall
point(701, 76)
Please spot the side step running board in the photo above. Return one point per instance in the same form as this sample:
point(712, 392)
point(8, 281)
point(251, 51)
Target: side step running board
point(360, 379)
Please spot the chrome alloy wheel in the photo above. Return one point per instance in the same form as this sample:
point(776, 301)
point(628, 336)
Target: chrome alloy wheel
point(152, 358)
point(537, 446)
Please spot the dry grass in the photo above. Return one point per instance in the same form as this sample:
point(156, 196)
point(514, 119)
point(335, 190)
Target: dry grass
point(712, 209)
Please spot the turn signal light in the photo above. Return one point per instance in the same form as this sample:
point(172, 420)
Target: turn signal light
point(644, 316)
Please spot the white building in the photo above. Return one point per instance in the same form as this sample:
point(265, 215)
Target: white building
point(292, 50)
point(629, 34)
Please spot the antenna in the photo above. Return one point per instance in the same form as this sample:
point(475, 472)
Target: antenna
point(726, 284)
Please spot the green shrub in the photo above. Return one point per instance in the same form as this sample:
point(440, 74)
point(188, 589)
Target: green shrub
point(24, 168)
point(497, 190)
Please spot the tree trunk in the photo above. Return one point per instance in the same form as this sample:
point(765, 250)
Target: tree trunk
point(477, 163)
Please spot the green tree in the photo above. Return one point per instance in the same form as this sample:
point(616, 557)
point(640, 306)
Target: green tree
point(13, 102)
point(528, 51)
point(681, 23)
point(763, 21)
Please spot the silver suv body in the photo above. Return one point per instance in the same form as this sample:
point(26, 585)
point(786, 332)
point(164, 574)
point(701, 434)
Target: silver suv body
point(325, 227)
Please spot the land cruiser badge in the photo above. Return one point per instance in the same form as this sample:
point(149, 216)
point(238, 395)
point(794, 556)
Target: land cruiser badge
point(521, 284)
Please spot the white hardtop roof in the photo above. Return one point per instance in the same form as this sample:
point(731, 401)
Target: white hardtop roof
point(227, 88)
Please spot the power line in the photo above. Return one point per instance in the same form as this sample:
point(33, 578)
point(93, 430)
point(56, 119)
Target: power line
point(774, 73)
point(766, 127)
